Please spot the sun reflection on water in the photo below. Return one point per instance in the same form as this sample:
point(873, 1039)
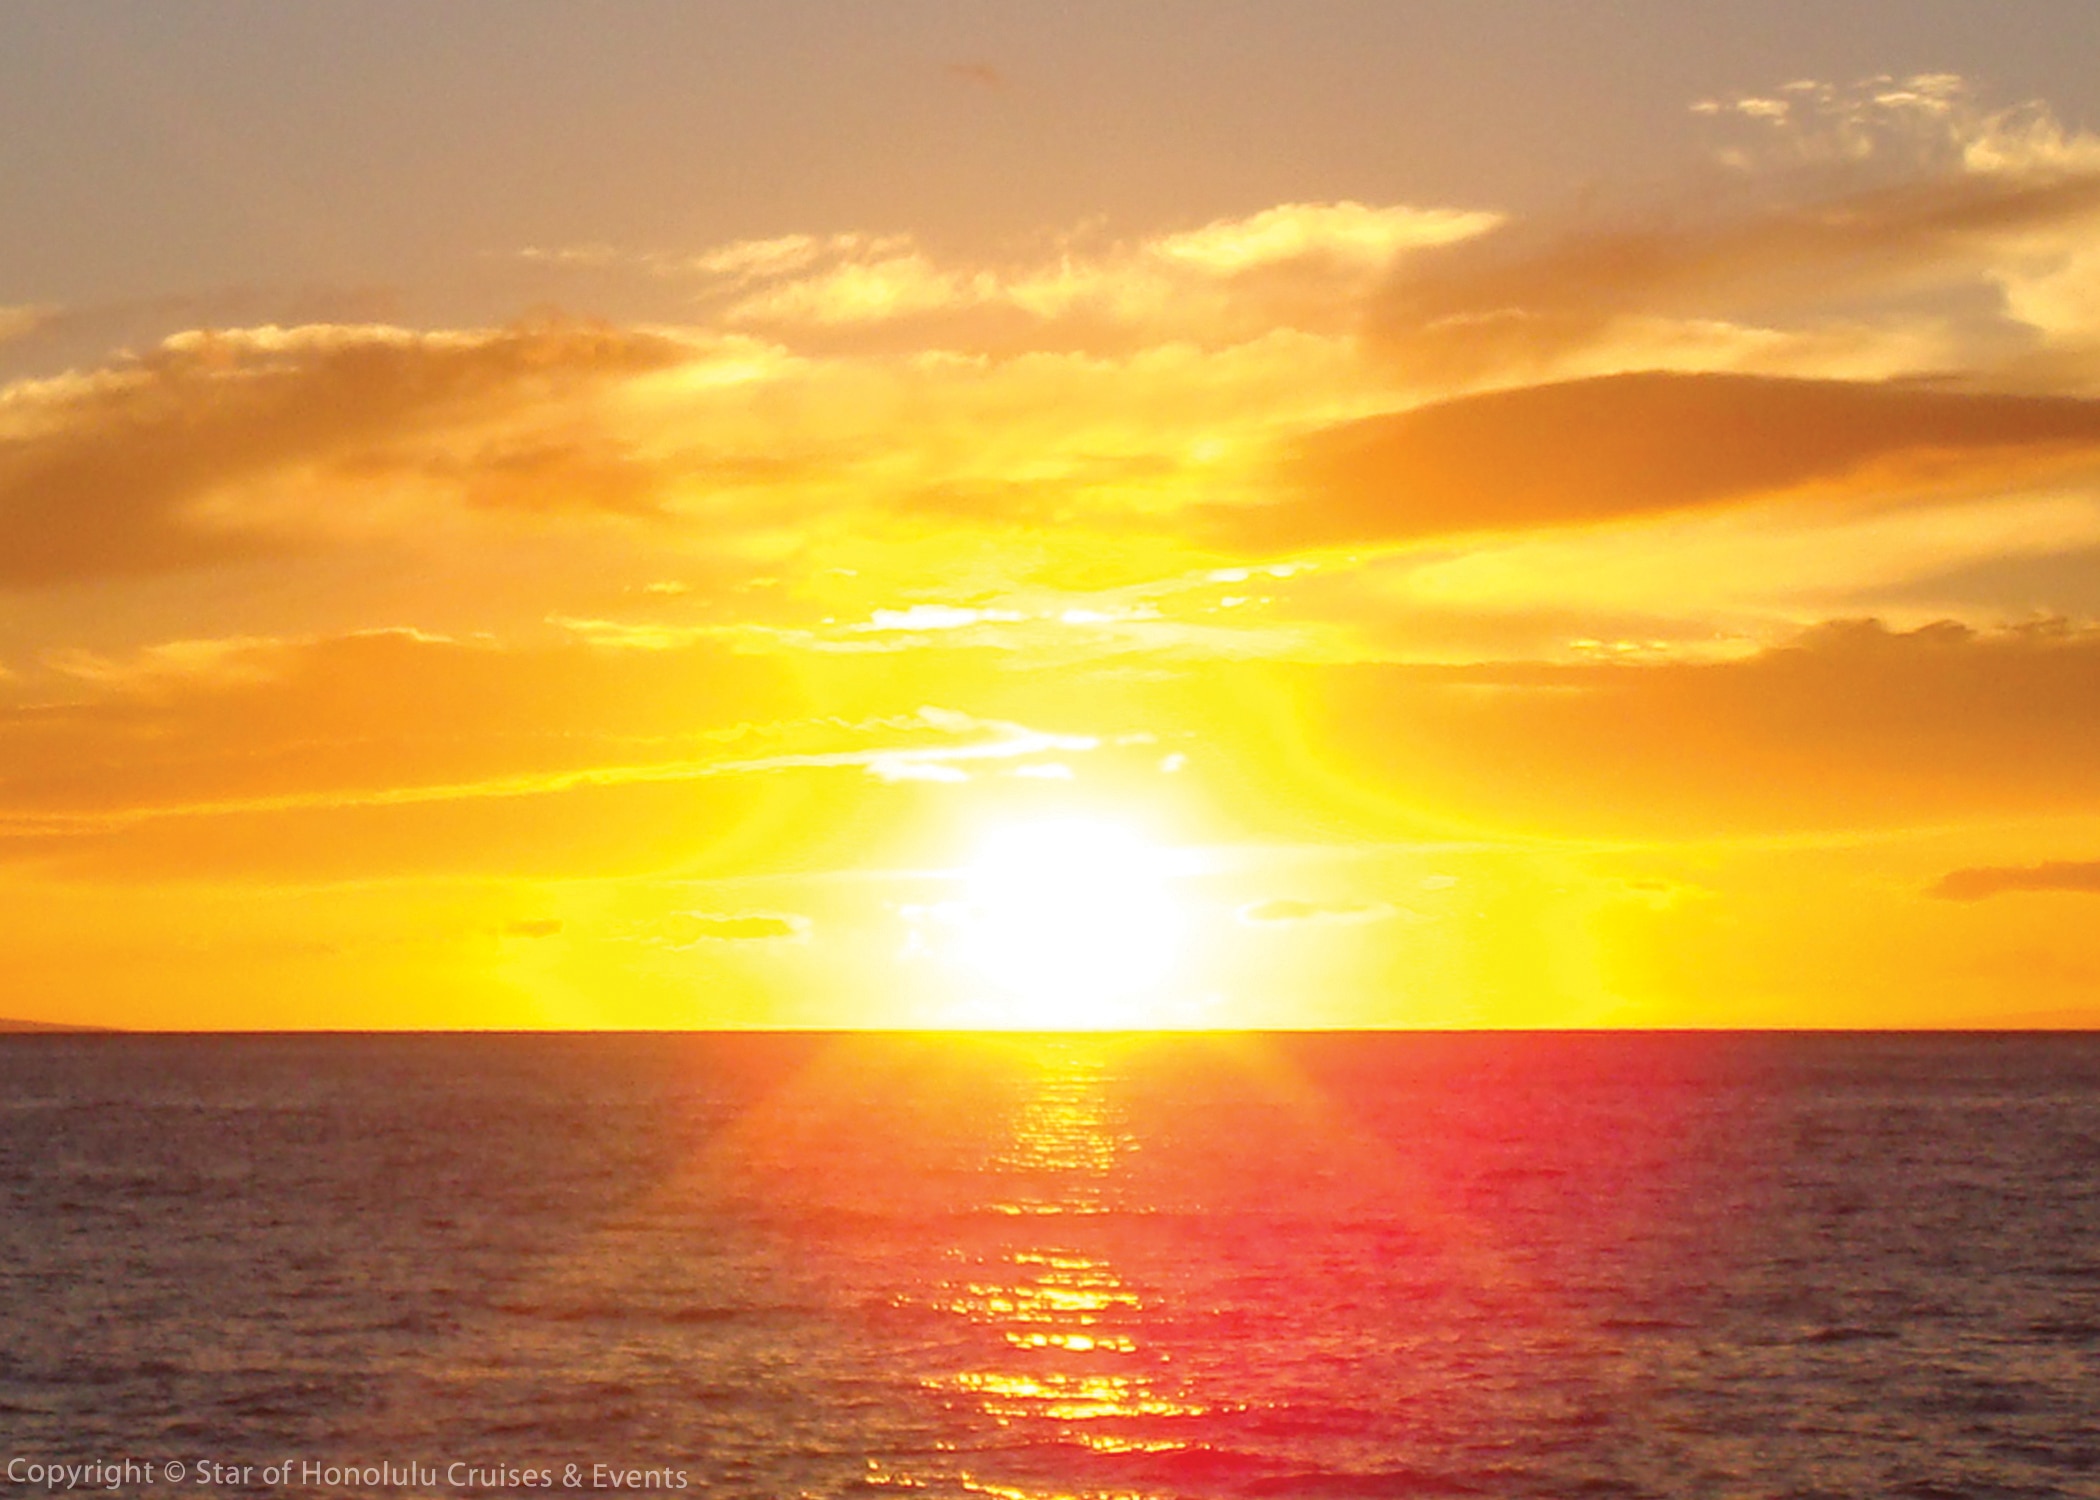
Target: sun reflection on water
point(1064, 1145)
point(1079, 1367)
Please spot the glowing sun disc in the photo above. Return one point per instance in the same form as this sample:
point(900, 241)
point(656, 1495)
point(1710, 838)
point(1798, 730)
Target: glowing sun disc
point(1070, 920)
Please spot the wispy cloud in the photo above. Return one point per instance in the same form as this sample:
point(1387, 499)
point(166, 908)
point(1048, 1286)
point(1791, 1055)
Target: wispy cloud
point(2057, 875)
point(692, 929)
point(1297, 265)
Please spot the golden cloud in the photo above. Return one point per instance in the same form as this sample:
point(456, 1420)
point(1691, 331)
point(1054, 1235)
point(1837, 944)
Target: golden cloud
point(1299, 265)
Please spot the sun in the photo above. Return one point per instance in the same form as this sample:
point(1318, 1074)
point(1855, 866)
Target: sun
point(1070, 923)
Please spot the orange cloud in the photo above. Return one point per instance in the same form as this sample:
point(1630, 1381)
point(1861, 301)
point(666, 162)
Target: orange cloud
point(1626, 445)
point(2055, 875)
point(202, 724)
point(1852, 726)
point(112, 472)
point(1472, 310)
point(1876, 206)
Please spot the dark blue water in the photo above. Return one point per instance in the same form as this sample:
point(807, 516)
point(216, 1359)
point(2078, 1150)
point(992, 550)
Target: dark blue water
point(1323, 1267)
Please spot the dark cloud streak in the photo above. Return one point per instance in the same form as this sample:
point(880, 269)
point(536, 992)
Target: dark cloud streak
point(2054, 875)
point(1627, 445)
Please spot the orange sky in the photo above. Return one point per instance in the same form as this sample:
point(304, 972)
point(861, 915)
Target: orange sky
point(1679, 613)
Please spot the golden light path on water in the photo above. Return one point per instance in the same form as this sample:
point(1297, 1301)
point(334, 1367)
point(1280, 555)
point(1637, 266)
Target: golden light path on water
point(1072, 1324)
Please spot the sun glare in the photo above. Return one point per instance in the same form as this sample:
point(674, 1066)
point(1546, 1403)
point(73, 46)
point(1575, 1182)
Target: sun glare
point(1071, 923)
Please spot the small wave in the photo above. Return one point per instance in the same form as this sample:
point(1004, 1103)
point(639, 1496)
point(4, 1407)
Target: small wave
point(1847, 1333)
point(690, 1315)
point(1374, 1484)
point(2066, 1330)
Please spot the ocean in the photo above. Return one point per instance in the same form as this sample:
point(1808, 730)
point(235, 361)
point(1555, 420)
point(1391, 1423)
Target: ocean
point(1230, 1265)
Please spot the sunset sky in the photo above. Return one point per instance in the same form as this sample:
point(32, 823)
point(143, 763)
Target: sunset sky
point(1447, 514)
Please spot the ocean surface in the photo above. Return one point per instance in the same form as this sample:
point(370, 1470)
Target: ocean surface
point(1222, 1266)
